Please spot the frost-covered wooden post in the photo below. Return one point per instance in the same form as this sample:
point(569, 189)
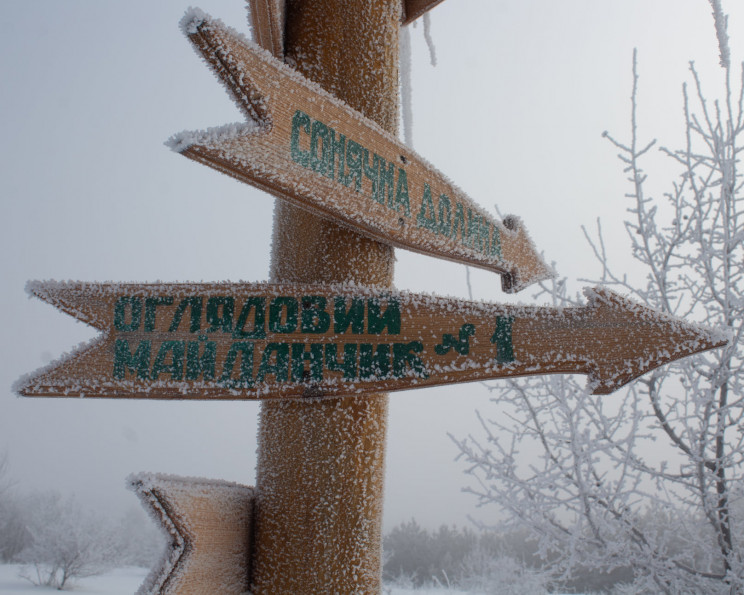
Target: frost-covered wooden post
point(321, 462)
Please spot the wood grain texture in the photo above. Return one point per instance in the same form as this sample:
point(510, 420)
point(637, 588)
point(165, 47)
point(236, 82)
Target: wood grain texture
point(305, 146)
point(267, 18)
point(209, 528)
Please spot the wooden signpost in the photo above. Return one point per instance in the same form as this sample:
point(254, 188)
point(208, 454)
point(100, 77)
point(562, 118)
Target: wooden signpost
point(268, 18)
point(263, 341)
point(321, 136)
point(302, 144)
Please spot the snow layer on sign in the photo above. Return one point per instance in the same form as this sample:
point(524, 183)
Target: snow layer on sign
point(181, 141)
point(192, 19)
point(600, 295)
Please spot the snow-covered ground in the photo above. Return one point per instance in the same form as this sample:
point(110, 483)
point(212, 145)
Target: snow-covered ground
point(125, 581)
point(121, 581)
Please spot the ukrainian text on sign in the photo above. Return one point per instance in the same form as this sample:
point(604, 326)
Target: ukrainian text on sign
point(247, 341)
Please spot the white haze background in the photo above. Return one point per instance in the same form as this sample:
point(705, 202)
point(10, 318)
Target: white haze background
point(513, 113)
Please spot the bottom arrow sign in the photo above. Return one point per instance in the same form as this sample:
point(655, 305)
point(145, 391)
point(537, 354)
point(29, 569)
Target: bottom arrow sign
point(248, 341)
point(209, 526)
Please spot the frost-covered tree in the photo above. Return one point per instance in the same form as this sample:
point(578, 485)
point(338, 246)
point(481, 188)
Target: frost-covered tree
point(139, 541)
point(65, 542)
point(13, 535)
point(651, 478)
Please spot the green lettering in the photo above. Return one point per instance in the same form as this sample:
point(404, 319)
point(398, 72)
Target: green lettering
point(460, 344)
point(427, 205)
point(220, 312)
point(374, 363)
point(373, 173)
point(343, 318)
point(401, 193)
point(458, 223)
point(496, 242)
point(258, 305)
point(353, 165)
point(175, 366)
point(377, 320)
point(348, 366)
point(299, 356)
point(387, 181)
point(276, 309)
point(245, 349)
point(279, 366)
point(299, 120)
point(339, 150)
point(475, 235)
point(151, 304)
point(485, 234)
point(404, 357)
point(502, 337)
point(204, 364)
point(138, 362)
point(445, 215)
point(195, 303)
point(314, 317)
point(320, 162)
point(120, 313)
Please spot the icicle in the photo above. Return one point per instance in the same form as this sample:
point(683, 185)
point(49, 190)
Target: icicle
point(430, 40)
point(406, 94)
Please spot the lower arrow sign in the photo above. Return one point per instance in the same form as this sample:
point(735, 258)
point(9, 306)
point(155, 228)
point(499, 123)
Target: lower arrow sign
point(249, 341)
point(209, 526)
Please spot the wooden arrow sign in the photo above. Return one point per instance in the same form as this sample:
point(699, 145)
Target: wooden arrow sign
point(302, 144)
point(209, 527)
point(261, 341)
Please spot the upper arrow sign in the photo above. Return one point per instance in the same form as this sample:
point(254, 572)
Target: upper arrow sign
point(302, 144)
point(248, 341)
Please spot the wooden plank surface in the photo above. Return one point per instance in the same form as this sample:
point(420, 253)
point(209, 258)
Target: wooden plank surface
point(304, 145)
point(263, 341)
point(208, 523)
point(268, 18)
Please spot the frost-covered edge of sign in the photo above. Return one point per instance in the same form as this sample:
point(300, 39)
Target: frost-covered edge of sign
point(26, 380)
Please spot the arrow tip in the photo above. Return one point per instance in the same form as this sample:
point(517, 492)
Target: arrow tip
point(640, 339)
point(526, 266)
point(219, 45)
